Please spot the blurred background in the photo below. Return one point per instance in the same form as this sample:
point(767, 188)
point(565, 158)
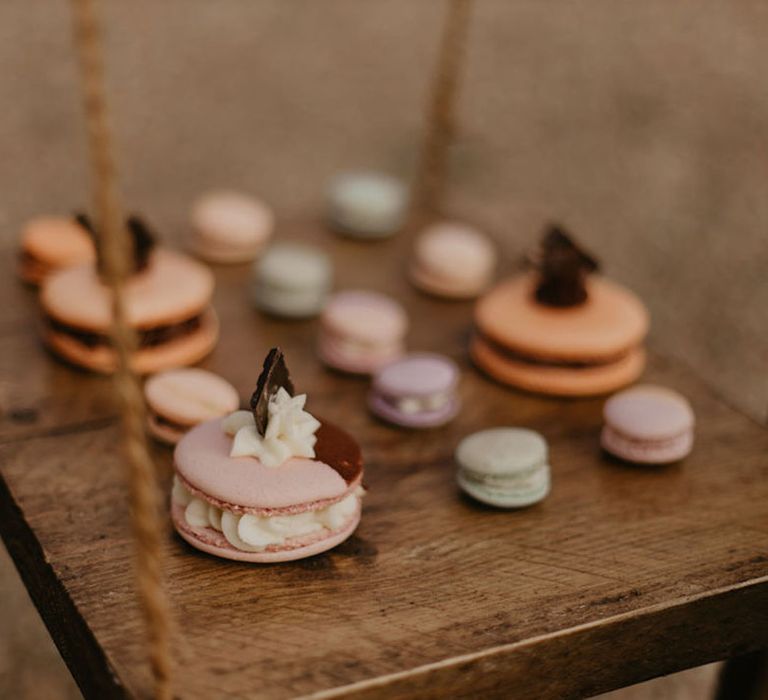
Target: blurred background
point(641, 126)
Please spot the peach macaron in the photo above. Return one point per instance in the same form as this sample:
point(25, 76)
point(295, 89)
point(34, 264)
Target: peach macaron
point(575, 335)
point(52, 243)
point(168, 303)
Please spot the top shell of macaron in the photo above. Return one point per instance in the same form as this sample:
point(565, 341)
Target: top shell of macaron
point(173, 288)
point(649, 412)
point(294, 266)
point(609, 323)
point(452, 247)
point(58, 240)
point(190, 395)
point(232, 216)
point(416, 375)
point(502, 451)
point(202, 460)
point(376, 191)
point(366, 316)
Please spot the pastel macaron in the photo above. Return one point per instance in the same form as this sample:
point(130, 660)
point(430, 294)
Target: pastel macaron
point(230, 227)
point(52, 243)
point(648, 424)
point(292, 280)
point(416, 391)
point(367, 205)
point(504, 467)
point(168, 304)
point(179, 399)
point(361, 331)
point(452, 260)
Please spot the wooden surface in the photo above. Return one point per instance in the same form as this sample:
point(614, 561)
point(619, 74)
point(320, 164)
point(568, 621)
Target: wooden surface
point(620, 575)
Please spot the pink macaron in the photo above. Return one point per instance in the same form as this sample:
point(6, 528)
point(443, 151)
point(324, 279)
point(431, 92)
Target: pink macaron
point(416, 391)
point(452, 260)
point(361, 331)
point(648, 424)
point(267, 485)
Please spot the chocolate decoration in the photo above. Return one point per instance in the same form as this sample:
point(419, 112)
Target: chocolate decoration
point(273, 376)
point(143, 240)
point(563, 269)
point(339, 451)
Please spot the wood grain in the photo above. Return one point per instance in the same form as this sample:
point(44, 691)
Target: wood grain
point(622, 574)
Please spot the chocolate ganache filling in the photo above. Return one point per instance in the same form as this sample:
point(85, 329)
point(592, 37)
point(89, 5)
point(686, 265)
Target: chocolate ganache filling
point(147, 337)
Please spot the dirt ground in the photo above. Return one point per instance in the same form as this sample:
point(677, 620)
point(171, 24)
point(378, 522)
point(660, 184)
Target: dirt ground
point(642, 126)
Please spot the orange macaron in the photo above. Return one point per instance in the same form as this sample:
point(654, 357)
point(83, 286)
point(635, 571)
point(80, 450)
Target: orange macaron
point(168, 302)
point(561, 330)
point(51, 243)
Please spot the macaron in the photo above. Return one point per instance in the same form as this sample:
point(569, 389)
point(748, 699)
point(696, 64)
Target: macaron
point(648, 424)
point(179, 399)
point(361, 331)
point(292, 280)
point(230, 227)
point(272, 490)
point(167, 300)
point(561, 330)
point(416, 391)
point(504, 467)
point(367, 205)
point(452, 260)
point(51, 243)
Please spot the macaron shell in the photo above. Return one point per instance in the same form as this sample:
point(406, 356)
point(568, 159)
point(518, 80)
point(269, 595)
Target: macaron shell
point(164, 433)
point(647, 412)
point(333, 354)
point(417, 374)
point(559, 381)
point(609, 323)
point(424, 419)
point(190, 396)
point(365, 316)
point(173, 288)
point(186, 350)
point(448, 289)
point(212, 542)
point(516, 496)
point(650, 452)
point(202, 460)
point(57, 241)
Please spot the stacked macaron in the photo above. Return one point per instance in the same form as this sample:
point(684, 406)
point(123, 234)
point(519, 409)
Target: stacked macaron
point(504, 467)
point(52, 243)
point(648, 424)
point(367, 205)
point(561, 331)
point(267, 485)
point(167, 299)
point(292, 280)
point(361, 331)
point(230, 227)
point(179, 399)
point(416, 391)
point(452, 260)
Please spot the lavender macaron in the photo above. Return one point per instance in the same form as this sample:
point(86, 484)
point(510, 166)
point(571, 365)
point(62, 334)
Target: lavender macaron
point(416, 391)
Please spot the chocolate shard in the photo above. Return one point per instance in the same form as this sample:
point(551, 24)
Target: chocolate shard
point(563, 269)
point(143, 241)
point(273, 376)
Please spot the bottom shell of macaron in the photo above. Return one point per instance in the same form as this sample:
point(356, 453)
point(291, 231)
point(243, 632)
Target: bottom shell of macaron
point(651, 452)
point(514, 492)
point(252, 538)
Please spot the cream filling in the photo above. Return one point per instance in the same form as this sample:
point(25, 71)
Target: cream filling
point(254, 533)
point(412, 405)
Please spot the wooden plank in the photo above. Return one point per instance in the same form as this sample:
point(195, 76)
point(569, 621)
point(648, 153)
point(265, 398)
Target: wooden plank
point(621, 574)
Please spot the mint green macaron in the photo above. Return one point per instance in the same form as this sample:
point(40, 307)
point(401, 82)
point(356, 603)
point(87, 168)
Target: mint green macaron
point(504, 467)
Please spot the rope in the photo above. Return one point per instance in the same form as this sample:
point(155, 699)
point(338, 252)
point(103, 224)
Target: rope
point(440, 126)
point(117, 252)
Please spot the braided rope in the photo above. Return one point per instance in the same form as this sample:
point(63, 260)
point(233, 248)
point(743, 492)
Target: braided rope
point(116, 251)
point(440, 126)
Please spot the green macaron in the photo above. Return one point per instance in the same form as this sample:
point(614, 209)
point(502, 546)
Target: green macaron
point(504, 467)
